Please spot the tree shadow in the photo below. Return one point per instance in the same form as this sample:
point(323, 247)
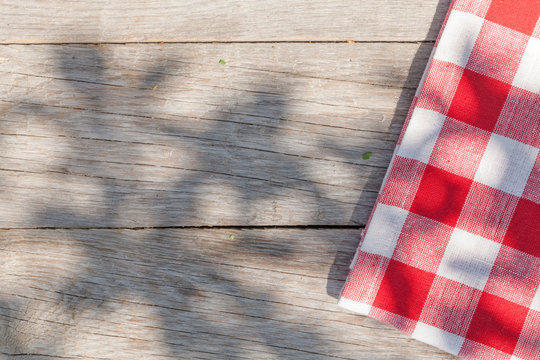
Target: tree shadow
point(190, 296)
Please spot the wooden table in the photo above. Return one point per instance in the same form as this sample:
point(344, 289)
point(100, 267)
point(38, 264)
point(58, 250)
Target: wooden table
point(184, 179)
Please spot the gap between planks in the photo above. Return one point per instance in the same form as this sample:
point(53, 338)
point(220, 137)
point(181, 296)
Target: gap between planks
point(226, 42)
point(202, 227)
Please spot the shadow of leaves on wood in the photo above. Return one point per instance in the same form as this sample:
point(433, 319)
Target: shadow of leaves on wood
point(200, 306)
point(150, 171)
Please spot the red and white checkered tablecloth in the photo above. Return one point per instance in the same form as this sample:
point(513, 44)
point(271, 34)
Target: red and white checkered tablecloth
point(451, 253)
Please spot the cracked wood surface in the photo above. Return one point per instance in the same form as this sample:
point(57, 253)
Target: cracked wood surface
point(157, 204)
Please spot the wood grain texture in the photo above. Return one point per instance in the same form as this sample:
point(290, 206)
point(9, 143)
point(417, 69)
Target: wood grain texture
point(179, 294)
point(105, 146)
point(148, 135)
point(57, 21)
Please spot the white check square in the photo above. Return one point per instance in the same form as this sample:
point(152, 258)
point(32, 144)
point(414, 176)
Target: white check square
point(458, 38)
point(439, 338)
point(506, 164)
point(421, 135)
point(528, 76)
point(468, 259)
point(354, 306)
point(384, 230)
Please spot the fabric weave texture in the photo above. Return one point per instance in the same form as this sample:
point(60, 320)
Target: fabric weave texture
point(451, 252)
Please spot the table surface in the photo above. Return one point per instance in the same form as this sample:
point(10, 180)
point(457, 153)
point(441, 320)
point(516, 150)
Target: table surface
point(184, 179)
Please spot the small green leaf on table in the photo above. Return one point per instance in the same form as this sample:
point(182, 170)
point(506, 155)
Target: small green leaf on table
point(367, 155)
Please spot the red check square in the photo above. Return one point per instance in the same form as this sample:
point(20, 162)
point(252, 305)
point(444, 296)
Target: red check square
point(403, 290)
point(497, 323)
point(433, 236)
point(515, 14)
point(450, 306)
point(506, 279)
point(402, 182)
point(524, 231)
point(479, 100)
point(529, 342)
point(532, 188)
point(492, 221)
point(459, 148)
point(402, 323)
point(440, 86)
point(475, 350)
point(520, 117)
point(441, 195)
point(497, 52)
point(367, 273)
point(478, 8)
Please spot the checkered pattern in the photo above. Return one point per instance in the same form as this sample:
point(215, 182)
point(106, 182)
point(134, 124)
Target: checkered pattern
point(451, 253)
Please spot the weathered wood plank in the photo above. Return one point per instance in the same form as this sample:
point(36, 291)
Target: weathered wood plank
point(56, 21)
point(149, 135)
point(207, 294)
